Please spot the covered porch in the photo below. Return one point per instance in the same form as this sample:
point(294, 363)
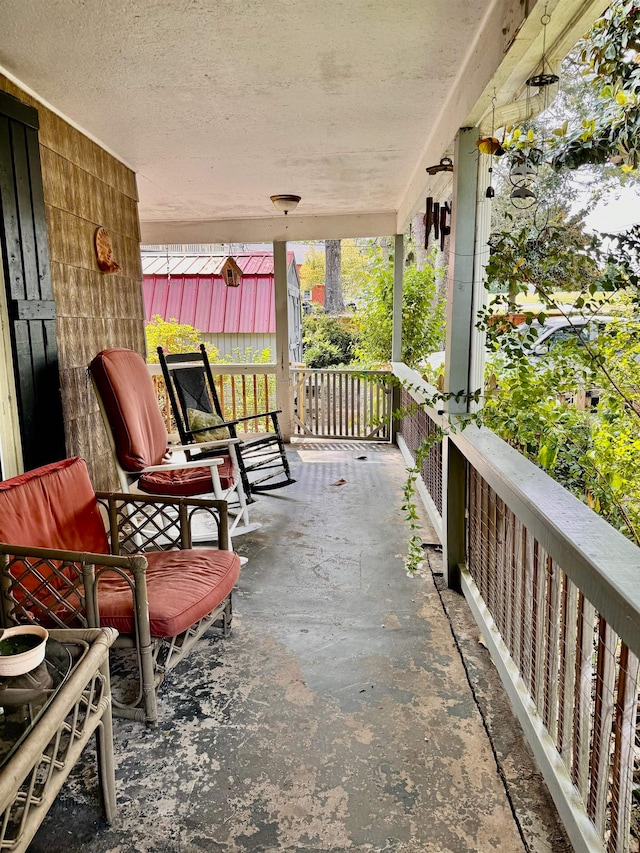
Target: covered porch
point(352, 707)
point(314, 727)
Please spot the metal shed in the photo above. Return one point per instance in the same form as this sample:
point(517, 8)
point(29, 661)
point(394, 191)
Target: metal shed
point(190, 288)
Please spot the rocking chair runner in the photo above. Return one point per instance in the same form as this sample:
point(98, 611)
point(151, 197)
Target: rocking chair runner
point(198, 414)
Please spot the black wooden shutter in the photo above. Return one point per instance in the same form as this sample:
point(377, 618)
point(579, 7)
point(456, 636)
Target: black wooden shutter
point(25, 255)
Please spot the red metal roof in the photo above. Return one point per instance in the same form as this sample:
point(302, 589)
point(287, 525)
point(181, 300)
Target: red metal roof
point(190, 289)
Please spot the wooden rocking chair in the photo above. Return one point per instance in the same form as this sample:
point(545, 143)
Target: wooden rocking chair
point(199, 417)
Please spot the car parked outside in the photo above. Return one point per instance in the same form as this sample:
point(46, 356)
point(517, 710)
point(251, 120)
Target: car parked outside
point(555, 329)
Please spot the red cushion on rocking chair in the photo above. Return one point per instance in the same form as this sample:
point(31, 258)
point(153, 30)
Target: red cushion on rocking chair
point(186, 482)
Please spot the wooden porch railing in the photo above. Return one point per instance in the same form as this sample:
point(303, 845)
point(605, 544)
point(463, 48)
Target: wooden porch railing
point(326, 403)
point(342, 403)
point(556, 592)
point(243, 390)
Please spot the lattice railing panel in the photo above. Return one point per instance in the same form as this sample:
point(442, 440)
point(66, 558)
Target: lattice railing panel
point(415, 427)
point(581, 677)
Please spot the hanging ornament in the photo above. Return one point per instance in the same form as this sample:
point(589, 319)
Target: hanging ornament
point(544, 76)
point(522, 175)
point(522, 197)
point(525, 165)
point(492, 149)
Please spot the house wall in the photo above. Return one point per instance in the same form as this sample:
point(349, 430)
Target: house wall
point(227, 343)
point(85, 187)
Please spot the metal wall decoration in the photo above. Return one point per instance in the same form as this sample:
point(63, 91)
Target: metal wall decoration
point(437, 218)
point(445, 165)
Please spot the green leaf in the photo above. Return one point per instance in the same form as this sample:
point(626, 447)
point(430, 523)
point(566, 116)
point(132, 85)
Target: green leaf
point(547, 456)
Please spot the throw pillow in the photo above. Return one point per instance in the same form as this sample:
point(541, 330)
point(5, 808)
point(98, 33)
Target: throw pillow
point(202, 421)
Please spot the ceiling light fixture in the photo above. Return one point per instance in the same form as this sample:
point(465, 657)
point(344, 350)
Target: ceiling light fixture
point(285, 202)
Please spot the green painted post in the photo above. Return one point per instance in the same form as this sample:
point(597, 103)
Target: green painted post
point(461, 345)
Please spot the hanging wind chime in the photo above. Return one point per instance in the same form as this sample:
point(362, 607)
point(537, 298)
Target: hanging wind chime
point(524, 168)
point(437, 216)
point(493, 150)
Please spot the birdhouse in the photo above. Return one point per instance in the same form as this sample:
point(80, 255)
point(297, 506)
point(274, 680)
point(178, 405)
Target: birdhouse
point(231, 273)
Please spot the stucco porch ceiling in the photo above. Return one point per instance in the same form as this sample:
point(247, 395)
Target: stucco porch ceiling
point(217, 104)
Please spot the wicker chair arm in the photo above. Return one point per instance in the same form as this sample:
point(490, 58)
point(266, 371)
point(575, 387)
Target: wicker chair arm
point(129, 515)
point(131, 561)
point(66, 583)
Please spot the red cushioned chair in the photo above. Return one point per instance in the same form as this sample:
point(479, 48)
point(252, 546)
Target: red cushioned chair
point(139, 441)
point(60, 568)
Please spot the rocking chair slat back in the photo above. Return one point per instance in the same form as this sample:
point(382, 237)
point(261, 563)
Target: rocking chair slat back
point(263, 461)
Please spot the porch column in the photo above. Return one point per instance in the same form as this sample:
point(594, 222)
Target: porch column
point(398, 269)
point(464, 359)
point(396, 324)
point(283, 374)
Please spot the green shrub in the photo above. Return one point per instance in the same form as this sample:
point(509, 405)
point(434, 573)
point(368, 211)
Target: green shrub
point(422, 314)
point(327, 341)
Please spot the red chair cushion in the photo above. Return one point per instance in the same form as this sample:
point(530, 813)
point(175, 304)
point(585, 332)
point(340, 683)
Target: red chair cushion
point(52, 507)
point(185, 482)
point(182, 586)
point(126, 389)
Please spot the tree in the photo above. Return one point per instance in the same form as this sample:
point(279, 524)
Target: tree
point(353, 269)
point(560, 257)
point(312, 270)
point(173, 337)
point(609, 57)
point(333, 301)
point(422, 313)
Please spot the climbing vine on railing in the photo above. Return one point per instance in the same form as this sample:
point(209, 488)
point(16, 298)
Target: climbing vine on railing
point(414, 557)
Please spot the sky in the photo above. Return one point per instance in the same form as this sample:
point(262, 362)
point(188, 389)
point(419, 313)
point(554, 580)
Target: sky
point(616, 214)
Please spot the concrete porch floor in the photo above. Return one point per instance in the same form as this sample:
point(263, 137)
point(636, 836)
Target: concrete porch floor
point(340, 715)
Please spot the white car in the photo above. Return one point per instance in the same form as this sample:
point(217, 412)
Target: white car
point(552, 331)
point(557, 329)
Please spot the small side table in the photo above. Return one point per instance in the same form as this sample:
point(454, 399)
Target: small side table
point(79, 705)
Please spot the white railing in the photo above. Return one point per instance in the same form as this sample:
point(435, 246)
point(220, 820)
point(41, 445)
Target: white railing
point(556, 592)
point(342, 403)
point(325, 403)
point(243, 390)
